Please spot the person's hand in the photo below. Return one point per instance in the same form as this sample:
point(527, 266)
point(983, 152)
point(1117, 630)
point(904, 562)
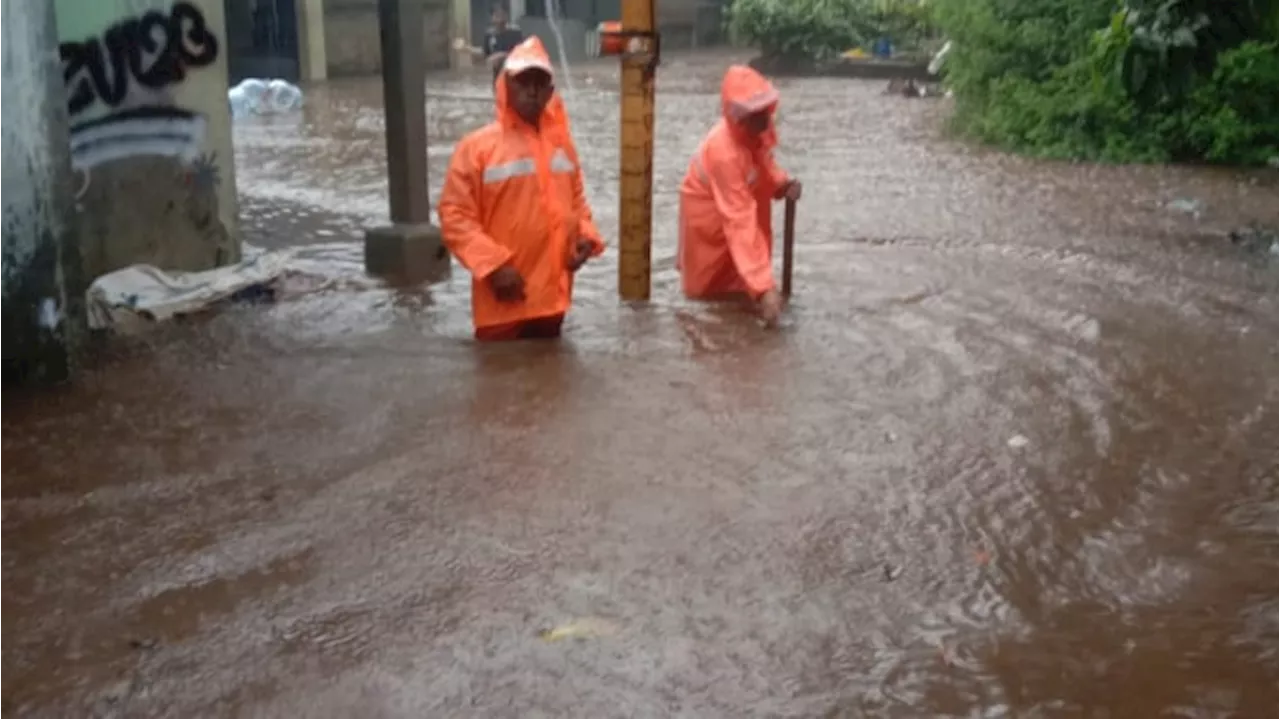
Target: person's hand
point(496, 59)
point(792, 190)
point(582, 250)
point(770, 307)
point(507, 284)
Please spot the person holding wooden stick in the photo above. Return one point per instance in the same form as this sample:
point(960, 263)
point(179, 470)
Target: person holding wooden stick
point(726, 235)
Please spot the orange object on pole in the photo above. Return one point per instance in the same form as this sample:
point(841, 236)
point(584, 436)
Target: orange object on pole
point(611, 40)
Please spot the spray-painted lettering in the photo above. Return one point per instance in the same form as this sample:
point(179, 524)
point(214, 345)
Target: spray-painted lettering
point(153, 50)
point(127, 69)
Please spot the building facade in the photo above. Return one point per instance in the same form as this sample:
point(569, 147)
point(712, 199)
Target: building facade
point(309, 40)
point(683, 24)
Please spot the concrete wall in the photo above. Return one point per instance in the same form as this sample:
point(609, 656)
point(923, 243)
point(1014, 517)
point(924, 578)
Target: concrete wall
point(690, 23)
point(150, 132)
point(351, 36)
point(40, 279)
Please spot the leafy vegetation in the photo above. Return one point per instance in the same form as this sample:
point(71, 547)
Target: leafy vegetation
point(821, 29)
point(1110, 80)
point(1148, 80)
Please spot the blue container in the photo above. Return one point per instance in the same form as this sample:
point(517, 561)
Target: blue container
point(883, 48)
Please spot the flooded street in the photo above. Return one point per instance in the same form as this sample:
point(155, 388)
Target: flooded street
point(1012, 454)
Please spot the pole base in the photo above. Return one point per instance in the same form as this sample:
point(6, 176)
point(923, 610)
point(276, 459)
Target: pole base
point(406, 253)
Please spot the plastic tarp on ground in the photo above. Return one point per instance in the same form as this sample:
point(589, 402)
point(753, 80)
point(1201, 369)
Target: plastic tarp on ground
point(142, 294)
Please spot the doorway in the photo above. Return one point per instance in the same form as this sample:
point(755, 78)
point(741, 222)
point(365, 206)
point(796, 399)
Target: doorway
point(262, 39)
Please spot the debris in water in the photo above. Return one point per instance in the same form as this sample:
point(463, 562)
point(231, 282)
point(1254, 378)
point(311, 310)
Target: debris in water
point(910, 88)
point(1254, 239)
point(891, 572)
point(143, 643)
point(134, 297)
point(111, 700)
point(1018, 441)
point(1189, 206)
point(263, 97)
point(890, 437)
point(982, 557)
point(585, 628)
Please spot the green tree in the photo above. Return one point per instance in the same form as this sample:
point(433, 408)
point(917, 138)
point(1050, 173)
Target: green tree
point(1142, 80)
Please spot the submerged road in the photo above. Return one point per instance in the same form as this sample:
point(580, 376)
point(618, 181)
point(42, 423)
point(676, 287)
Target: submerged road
point(1013, 454)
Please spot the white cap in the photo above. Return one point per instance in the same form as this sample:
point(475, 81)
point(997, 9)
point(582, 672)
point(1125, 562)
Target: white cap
point(518, 62)
point(517, 65)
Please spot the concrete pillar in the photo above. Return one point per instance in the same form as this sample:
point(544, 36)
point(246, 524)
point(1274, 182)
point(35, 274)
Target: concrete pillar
point(460, 27)
point(404, 102)
point(313, 61)
point(43, 308)
point(410, 248)
point(161, 194)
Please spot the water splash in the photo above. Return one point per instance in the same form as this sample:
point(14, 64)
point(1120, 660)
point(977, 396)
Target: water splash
point(553, 15)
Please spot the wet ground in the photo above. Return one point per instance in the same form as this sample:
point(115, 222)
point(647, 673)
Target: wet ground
point(1014, 454)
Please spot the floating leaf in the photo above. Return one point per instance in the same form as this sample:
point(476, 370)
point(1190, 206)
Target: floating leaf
point(585, 628)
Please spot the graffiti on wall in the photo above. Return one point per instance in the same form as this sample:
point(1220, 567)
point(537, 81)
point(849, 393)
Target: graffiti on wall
point(128, 71)
point(146, 95)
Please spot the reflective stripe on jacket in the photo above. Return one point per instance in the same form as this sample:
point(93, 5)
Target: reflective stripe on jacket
point(726, 236)
point(514, 194)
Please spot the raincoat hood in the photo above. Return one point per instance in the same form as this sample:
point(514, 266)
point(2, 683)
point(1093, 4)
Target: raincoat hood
point(530, 55)
point(745, 92)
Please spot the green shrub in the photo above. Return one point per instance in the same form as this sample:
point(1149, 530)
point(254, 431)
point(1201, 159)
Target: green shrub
point(1024, 79)
point(1176, 43)
point(1232, 117)
point(821, 29)
point(796, 28)
point(1148, 81)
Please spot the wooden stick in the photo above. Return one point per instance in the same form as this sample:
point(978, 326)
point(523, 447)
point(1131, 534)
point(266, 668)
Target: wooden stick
point(788, 243)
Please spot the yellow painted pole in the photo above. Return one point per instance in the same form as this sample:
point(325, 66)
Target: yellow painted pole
point(635, 196)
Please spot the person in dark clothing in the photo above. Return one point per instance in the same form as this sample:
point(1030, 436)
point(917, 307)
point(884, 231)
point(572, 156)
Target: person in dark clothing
point(499, 39)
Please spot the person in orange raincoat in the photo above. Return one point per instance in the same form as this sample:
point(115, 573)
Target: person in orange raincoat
point(726, 235)
point(513, 210)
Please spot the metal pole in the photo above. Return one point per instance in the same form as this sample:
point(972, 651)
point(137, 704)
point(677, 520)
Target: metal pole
point(43, 310)
point(405, 106)
point(635, 203)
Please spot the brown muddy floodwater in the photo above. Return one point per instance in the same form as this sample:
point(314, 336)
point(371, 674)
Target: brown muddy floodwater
point(1014, 454)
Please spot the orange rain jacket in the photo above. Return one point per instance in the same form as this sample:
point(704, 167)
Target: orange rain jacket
point(726, 229)
point(514, 194)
